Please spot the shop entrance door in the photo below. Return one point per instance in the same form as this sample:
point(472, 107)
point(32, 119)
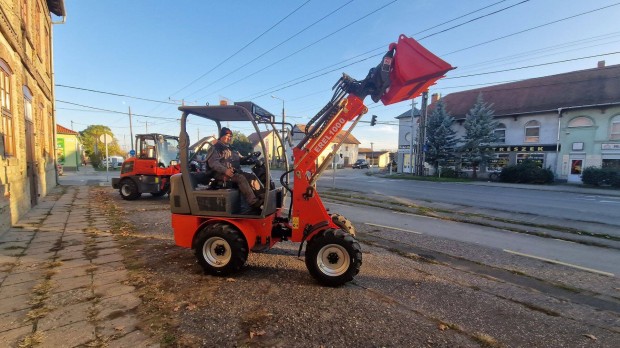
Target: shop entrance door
point(576, 168)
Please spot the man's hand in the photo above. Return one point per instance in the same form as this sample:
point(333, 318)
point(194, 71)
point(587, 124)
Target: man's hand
point(230, 172)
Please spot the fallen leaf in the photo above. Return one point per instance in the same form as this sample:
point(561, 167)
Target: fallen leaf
point(190, 307)
point(590, 336)
point(231, 280)
point(256, 333)
point(176, 309)
point(443, 327)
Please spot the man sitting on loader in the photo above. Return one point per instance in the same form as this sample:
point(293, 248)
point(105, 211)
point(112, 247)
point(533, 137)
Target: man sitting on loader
point(226, 163)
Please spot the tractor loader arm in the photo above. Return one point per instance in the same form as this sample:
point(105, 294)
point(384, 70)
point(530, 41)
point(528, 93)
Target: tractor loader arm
point(405, 71)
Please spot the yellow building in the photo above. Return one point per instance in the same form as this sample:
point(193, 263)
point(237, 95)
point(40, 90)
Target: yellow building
point(27, 125)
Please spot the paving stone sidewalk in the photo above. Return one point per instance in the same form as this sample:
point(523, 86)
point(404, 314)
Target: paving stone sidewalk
point(62, 280)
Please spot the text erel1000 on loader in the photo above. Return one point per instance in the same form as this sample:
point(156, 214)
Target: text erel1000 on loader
point(208, 220)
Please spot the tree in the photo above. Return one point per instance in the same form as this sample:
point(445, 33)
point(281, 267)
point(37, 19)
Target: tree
point(479, 133)
point(241, 143)
point(440, 138)
point(94, 148)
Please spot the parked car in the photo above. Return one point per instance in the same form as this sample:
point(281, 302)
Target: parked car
point(114, 162)
point(360, 164)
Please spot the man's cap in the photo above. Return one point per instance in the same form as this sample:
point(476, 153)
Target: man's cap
point(225, 131)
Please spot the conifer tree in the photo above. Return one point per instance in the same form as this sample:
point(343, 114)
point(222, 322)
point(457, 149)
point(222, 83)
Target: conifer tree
point(479, 134)
point(440, 138)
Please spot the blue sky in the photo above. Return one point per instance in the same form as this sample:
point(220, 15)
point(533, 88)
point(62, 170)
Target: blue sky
point(201, 51)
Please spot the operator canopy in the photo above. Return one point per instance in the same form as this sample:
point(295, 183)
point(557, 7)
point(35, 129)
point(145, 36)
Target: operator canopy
point(240, 111)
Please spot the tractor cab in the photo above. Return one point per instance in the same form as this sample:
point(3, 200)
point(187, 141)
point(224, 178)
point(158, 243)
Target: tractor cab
point(198, 190)
point(164, 149)
point(156, 159)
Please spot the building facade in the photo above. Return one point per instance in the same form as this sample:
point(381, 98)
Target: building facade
point(68, 148)
point(564, 122)
point(27, 127)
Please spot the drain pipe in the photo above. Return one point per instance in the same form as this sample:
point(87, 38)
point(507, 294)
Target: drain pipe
point(557, 143)
point(51, 39)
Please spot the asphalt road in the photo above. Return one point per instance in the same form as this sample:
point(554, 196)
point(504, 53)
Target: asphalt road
point(585, 207)
point(586, 257)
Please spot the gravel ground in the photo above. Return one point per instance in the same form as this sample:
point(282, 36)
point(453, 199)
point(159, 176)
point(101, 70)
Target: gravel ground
point(399, 299)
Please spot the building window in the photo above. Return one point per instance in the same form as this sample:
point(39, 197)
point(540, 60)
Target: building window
point(611, 163)
point(500, 161)
point(532, 132)
point(7, 130)
point(614, 133)
point(27, 104)
point(538, 158)
point(500, 133)
point(580, 121)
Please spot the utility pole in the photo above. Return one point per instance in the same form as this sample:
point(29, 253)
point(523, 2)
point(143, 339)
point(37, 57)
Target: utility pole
point(421, 136)
point(411, 161)
point(76, 150)
point(283, 127)
point(130, 131)
point(372, 155)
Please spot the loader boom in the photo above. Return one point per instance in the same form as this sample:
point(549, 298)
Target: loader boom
point(405, 71)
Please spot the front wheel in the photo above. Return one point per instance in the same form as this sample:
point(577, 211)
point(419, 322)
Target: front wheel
point(129, 190)
point(221, 249)
point(333, 257)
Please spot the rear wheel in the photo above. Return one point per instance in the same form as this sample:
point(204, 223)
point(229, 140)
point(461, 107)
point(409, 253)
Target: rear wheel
point(129, 190)
point(343, 223)
point(333, 257)
point(221, 249)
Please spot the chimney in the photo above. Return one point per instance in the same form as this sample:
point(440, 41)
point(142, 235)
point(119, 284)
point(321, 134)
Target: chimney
point(601, 64)
point(435, 97)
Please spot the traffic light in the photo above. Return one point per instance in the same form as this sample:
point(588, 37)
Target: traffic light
point(373, 120)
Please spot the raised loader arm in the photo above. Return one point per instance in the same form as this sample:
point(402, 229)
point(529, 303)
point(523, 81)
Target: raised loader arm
point(406, 70)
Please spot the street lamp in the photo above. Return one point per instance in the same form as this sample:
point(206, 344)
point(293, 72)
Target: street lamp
point(283, 128)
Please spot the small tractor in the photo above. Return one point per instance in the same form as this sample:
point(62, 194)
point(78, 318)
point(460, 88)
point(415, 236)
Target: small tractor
point(149, 171)
point(208, 218)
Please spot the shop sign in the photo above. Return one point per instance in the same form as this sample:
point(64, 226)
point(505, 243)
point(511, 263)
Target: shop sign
point(610, 146)
point(525, 148)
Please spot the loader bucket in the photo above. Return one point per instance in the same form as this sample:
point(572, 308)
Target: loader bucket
point(414, 70)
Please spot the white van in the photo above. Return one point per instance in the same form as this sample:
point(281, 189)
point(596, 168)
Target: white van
point(114, 162)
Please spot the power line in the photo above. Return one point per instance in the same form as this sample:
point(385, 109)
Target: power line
point(474, 19)
point(483, 43)
point(115, 94)
point(242, 48)
point(112, 111)
point(307, 46)
point(272, 48)
point(532, 28)
point(375, 55)
point(531, 66)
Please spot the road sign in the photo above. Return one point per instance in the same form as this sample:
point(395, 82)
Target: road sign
point(132, 152)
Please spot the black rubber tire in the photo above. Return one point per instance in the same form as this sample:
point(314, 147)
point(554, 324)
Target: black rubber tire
point(129, 190)
point(221, 249)
point(333, 257)
point(343, 223)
